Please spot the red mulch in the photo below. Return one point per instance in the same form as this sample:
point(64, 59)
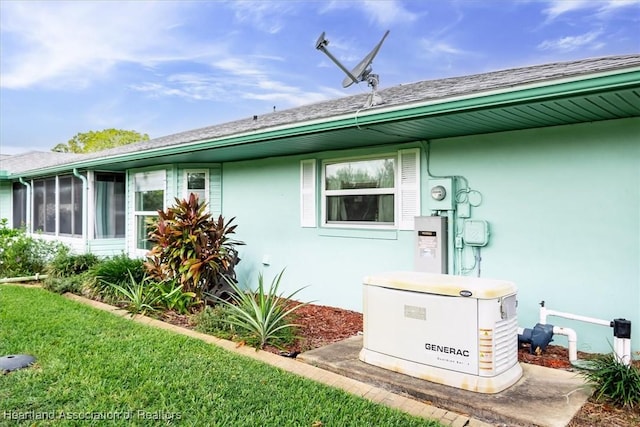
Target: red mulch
point(321, 325)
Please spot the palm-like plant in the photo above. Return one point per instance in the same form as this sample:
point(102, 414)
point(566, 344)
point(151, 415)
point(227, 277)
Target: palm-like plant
point(263, 314)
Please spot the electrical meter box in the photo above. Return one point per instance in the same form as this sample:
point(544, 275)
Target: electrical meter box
point(454, 330)
point(431, 244)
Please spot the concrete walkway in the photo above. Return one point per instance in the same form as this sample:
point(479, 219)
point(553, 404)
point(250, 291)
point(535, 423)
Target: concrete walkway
point(542, 397)
point(366, 390)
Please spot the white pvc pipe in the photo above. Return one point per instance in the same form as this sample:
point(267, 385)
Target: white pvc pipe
point(23, 279)
point(621, 346)
point(544, 312)
point(572, 337)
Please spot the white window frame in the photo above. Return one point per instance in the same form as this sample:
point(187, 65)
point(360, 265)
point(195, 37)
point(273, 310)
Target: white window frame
point(324, 193)
point(187, 192)
point(137, 213)
point(407, 193)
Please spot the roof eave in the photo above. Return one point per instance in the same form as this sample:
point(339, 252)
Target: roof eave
point(538, 92)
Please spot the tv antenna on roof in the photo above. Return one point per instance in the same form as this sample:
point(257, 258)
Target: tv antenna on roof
point(361, 72)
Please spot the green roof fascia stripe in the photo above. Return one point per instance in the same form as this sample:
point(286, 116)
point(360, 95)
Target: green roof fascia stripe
point(481, 100)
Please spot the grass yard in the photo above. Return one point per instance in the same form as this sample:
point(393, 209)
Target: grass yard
point(91, 364)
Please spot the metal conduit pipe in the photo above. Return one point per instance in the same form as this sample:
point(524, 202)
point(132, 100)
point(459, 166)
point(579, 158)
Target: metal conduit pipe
point(37, 277)
point(85, 204)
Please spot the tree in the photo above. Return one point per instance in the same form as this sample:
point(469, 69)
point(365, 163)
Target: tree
point(88, 142)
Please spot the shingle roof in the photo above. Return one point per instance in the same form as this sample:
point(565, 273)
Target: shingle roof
point(35, 160)
point(397, 96)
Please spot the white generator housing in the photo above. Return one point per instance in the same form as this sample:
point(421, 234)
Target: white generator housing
point(454, 330)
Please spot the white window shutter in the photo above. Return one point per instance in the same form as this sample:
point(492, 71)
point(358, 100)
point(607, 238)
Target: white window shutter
point(308, 193)
point(409, 189)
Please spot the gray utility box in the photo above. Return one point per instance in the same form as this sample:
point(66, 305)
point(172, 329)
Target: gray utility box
point(431, 244)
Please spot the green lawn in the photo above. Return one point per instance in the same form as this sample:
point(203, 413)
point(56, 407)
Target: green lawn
point(93, 364)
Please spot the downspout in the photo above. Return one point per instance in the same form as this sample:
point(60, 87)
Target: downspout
point(28, 213)
point(85, 211)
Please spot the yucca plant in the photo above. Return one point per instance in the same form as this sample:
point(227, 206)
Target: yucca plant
point(139, 297)
point(613, 380)
point(262, 312)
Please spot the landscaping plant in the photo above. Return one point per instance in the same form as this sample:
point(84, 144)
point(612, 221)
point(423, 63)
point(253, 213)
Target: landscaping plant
point(138, 296)
point(172, 297)
point(194, 249)
point(613, 380)
point(116, 270)
point(69, 272)
point(262, 312)
point(23, 255)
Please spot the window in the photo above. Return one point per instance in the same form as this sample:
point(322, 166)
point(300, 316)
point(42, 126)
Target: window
point(366, 192)
point(149, 198)
point(360, 192)
point(197, 182)
point(19, 205)
point(70, 205)
point(44, 205)
point(62, 215)
point(110, 205)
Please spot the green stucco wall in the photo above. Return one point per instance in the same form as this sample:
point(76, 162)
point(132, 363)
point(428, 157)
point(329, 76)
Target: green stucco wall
point(5, 201)
point(563, 205)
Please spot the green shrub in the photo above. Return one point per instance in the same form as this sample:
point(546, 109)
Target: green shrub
point(116, 270)
point(23, 255)
point(74, 284)
point(613, 380)
point(263, 314)
point(194, 249)
point(174, 298)
point(212, 321)
point(66, 264)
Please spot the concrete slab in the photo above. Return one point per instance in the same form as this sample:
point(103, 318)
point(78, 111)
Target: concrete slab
point(542, 397)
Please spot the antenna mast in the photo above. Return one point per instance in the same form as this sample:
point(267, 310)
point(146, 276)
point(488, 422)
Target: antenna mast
point(361, 72)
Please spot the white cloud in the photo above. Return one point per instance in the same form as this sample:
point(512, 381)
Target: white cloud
point(266, 16)
point(384, 13)
point(570, 43)
point(69, 44)
point(561, 7)
point(434, 48)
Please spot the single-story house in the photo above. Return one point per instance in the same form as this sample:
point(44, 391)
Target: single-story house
point(531, 174)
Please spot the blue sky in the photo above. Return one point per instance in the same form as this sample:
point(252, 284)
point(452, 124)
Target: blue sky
point(168, 66)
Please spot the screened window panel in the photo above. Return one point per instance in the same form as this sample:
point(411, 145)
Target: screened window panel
point(38, 206)
point(19, 208)
point(66, 207)
point(78, 195)
point(110, 206)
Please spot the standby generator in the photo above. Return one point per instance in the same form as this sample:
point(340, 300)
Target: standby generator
point(454, 330)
